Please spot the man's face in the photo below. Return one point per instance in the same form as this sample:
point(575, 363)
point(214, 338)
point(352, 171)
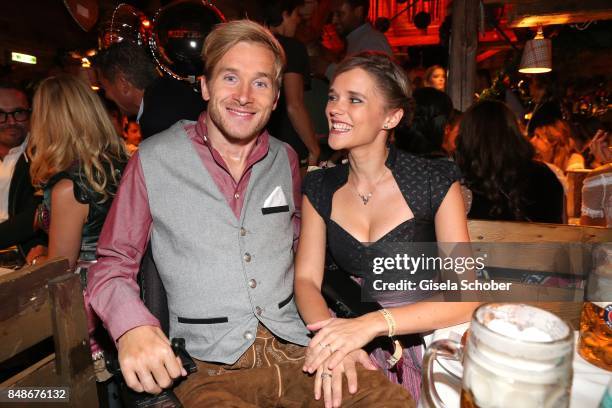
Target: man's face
point(241, 93)
point(347, 18)
point(122, 93)
point(13, 132)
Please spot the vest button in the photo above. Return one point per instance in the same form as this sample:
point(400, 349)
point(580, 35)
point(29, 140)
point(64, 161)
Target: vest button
point(247, 257)
point(242, 232)
point(248, 335)
point(252, 283)
point(259, 310)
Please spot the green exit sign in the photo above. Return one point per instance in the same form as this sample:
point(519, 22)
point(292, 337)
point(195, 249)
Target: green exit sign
point(25, 58)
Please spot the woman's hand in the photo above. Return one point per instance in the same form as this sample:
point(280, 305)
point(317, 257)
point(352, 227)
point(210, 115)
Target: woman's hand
point(329, 382)
point(338, 337)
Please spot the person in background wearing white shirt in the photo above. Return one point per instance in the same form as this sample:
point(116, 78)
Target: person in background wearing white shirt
point(17, 201)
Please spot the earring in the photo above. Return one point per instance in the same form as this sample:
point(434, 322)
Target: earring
point(385, 126)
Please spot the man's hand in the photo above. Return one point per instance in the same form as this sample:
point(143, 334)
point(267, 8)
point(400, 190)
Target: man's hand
point(329, 382)
point(147, 360)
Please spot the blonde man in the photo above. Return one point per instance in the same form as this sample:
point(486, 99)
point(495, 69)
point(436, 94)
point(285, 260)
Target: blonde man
point(220, 200)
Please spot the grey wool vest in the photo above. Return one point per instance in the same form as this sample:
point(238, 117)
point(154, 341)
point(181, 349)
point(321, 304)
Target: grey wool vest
point(222, 275)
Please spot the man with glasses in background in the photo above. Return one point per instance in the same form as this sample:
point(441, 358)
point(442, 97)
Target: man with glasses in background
point(17, 201)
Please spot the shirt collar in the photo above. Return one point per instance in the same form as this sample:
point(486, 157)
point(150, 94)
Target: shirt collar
point(18, 150)
point(140, 110)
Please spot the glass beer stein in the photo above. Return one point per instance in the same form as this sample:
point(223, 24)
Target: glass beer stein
point(516, 355)
point(595, 343)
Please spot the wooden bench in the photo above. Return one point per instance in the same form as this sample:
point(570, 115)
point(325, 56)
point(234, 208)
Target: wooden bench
point(47, 301)
point(541, 259)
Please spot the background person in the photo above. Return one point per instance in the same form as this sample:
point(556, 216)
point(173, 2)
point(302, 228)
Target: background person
point(499, 167)
point(77, 158)
point(130, 79)
point(18, 202)
point(290, 121)
point(435, 77)
point(351, 21)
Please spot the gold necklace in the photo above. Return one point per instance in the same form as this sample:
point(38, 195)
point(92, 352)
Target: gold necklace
point(365, 198)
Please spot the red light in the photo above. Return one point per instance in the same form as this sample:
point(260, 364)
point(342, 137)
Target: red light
point(146, 23)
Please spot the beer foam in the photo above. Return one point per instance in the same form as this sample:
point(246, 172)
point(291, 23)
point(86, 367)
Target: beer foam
point(514, 331)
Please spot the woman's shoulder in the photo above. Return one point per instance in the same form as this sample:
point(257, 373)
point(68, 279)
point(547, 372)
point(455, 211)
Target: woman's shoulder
point(435, 168)
point(319, 186)
point(324, 179)
point(78, 179)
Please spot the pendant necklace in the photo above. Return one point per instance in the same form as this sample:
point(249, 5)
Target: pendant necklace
point(365, 198)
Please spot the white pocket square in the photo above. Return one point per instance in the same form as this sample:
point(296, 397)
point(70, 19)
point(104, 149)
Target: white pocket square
point(276, 202)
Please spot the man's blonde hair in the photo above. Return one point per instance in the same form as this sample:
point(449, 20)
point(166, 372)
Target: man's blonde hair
point(225, 35)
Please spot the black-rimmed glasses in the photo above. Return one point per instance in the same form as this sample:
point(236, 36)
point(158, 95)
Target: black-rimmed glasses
point(19, 115)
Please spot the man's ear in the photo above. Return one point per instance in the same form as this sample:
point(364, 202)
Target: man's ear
point(204, 88)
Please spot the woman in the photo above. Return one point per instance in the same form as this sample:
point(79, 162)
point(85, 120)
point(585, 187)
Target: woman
point(77, 157)
point(498, 165)
point(435, 77)
point(554, 145)
point(381, 196)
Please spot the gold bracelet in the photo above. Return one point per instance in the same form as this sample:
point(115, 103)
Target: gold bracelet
point(390, 321)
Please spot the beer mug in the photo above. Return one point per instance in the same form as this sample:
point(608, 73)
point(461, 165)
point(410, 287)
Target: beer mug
point(516, 355)
point(595, 344)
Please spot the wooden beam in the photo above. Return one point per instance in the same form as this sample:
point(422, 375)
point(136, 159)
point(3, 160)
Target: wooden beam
point(545, 12)
point(464, 45)
point(26, 307)
point(73, 358)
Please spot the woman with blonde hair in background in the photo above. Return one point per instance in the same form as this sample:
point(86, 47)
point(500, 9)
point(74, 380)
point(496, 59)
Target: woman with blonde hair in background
point(435, 77)
point(554, 145)
point(77, 158)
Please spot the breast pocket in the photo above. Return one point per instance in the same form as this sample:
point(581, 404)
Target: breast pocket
point(275, 210)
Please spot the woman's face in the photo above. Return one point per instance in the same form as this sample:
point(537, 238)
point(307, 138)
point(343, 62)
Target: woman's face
point(355, 110)
point(438, 79)
point(544, 141)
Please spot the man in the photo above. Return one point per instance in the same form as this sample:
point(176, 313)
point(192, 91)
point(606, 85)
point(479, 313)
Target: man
point(17, 201)
point(220, 199)
point(129, 78)
point(351, 21)
point(291, 121)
